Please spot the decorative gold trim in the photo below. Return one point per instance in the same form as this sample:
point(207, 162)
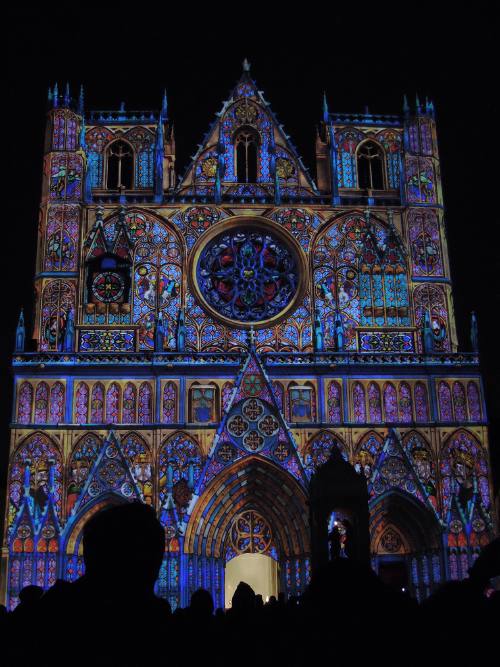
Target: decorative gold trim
point(248, 222)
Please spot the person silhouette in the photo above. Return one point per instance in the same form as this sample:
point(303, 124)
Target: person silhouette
point(123, 548)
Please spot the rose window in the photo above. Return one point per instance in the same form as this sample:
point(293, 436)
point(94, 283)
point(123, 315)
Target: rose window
point(108, 286)
point(250, 533)
point(248, 275)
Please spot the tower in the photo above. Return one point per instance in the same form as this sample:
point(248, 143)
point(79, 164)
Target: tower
point(204, 345)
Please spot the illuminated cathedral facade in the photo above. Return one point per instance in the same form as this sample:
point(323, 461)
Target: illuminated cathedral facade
point(204, 340)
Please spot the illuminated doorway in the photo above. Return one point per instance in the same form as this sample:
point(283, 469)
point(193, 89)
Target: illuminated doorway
point(258, 571)
point(250, 540)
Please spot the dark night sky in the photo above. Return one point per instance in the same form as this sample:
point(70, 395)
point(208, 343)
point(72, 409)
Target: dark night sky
point(357, 61)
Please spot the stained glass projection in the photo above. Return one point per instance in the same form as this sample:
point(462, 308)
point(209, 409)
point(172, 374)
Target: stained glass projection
point(334, 402)
point(157, 281)
point(247, 276)
point(301, 403)
point(179, 469)
point(82, 459)
point(169, 408)
point(57, 301)
point(25, 403)
point(203, 404)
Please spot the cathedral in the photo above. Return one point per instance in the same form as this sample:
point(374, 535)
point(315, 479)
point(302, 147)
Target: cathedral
point(208, 341)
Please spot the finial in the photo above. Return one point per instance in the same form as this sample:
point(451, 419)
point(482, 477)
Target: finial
point(49, 95)
point(474, 333)
point(406, 106)
point(428, 335)
point(390, 218)
point(431, 108)
point(122, 106)
point(339, 331)
point(55, 96)
point(27, 473)
point(251, 337)
point(181, 331)
point(66, 95)
point(326, 112)
point(158, 166)
point(164, 105)
point(69, 332)
point(417, 104)
point(319, 338)
point(246, 65)
point(81, 100)
point(367, 110)
point(20, 333)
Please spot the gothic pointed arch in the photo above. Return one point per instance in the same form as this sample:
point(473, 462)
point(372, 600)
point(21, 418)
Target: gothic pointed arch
point(170, 403)
point(110, 476)
point(405, 541)
point(366, 453)
point(36, 469)
point(119, 167)
point(370, 163)
point(180, 462)
point(81, 462)
point(138, 454)
point(250, 483)
point(157, 283)
point(424, 463)
point(25, 402)
point(360, 279)
point(319, 449)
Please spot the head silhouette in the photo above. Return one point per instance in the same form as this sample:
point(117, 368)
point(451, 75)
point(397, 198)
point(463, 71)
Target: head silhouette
point(123, 547)
point(30, 594)
point(243, 599)
point(202, 605)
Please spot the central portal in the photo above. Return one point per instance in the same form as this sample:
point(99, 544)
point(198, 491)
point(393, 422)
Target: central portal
point(258, 571)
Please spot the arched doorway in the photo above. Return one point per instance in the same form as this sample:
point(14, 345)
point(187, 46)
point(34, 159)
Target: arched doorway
point(251, 490)
point(257, 570)
point(405, 543)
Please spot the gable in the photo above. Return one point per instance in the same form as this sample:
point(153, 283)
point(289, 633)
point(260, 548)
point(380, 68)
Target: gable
point(278, 164)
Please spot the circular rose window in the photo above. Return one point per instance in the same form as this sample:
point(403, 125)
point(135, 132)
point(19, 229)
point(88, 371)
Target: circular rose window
point(248, 275)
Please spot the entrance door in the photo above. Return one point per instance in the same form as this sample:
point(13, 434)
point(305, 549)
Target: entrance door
point(258, 571)
point(394, 573)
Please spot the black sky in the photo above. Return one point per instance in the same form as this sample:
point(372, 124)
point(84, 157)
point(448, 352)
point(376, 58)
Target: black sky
point(360, 58)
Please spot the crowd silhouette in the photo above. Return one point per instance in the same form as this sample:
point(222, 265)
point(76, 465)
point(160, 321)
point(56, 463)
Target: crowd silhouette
point(111, 615)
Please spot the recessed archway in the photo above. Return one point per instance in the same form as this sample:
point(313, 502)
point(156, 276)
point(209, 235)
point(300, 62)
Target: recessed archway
point(257, 570)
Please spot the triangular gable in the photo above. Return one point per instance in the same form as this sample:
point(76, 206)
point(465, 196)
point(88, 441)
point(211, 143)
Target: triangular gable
point(250, 428)
point(246, 106)
point(49, 517)
point(121, 246)
point(96, 242)
point(394, 470)
point(24, 516)
point(110, 474)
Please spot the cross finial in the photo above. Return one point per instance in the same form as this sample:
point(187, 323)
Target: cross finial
point(251, 337)
point(246, 65)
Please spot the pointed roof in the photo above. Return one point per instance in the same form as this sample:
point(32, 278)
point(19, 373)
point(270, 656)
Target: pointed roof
point(121, 245)
point(252, 425)
point(110, 474)
point(96, 242)
point(394, 469)
point(246, 90)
